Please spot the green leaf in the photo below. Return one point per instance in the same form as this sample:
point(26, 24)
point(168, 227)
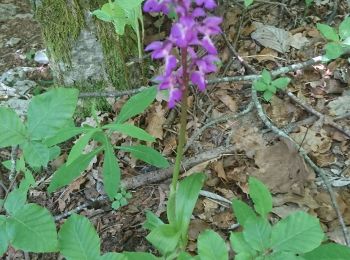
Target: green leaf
point(186, 197)
point(49, 112)
point(129, 4)
point(242, 211)
point(281, 83)
point(259, 85)
point(67, 173)
point(261, 197)
point(80, 144)
point(165, 238)
point(298, 233)
point(65, 134)
point(211, 246)
point(257, 232)
point(4, 241)
point(102, 15)
point(329, 251)
point(152, 221)
point(328, 32)
point(185, 256)
point(16, 200)
point(244, 256)
point(12, 130)
point(111, 170)
point(334, 50)
point(113, 256)
point(239, 245)
point(137, 104)
point(268, 95)
point(271, 88)
point(344, 28)
point(32, 229)
point(308, 2)
point(139, 256)
point(146, 154)
point(283, 256)
point(54, 152)
point(248, 2)
point(78, 239)
point(132, 131)
point(266, 76)
point(36, 154)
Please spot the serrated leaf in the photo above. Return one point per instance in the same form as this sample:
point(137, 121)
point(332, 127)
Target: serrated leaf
point(3, 236)
point(78, 239)
point(266, 76)
point(344, 28)
point(32, 229)
point(261, 197)
point(239, 245)
point(137, 104)
point(334, 50)
point(271, 88)
point(268, 95)
point(281, 83)
point(111, 170)
point(328, 32)
point(49, 112)
point(186, 197)
point(257, 233)
point(36, 154)
point(329, 251)
point(298, 233)
point(242, 211)
point(211, 246)
point(67, 173)
point(12, 130)
point(132, 131)
point(165, 238)
point(259, 85)
point(146, 154)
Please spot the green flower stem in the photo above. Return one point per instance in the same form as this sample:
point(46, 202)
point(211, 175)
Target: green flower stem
point(171, 210)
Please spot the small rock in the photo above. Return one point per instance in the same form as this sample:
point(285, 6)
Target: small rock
point(12, 42)
point(41, 57)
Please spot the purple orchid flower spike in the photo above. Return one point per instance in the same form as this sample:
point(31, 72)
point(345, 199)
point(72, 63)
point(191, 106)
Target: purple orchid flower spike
point(192, 30)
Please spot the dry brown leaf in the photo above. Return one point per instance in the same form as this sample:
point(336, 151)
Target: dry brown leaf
point(282, 169)
point(280, 111)
point(219, 169)
point(266, 54)
point(227, 100)
point(155, 120)
point(249, 140)
point(197, 168)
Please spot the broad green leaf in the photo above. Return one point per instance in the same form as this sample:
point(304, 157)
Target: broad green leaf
point(16, 200)
point(119, 25)
point(186, 197)
point(266, 76)
point(49, 112)
point(113, 256)
point(211, 246)
point(129, 4)
point(334, 50)
point(32, 229)
point(244, 256)
point(102, 15)
point(185, 256)
point(80, 144)
point(65, 134)
point(257, 233)
point(152, 221)
point(248, 2)
point(329, 251)
point(12, 130)
point(281, 83)
point(78, 239)
point(271, 88)
point(54, 152)
point(137, 104)
point(261, 197)
point(344, 28)
point(146, 154)
point(165, 238)
point(132, 131)
point(259, 85)
point(111, 170)
point(283, 256)
point(268, 95)
point(36, 154)
point(328, 32)
point(242, 211)
point(3, 235)
point(67, 173)
point(139, 256)
point(298, 233)
point(239, 245)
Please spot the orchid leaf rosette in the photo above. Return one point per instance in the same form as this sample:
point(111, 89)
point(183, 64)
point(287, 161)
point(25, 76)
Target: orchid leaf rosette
point(191, 31)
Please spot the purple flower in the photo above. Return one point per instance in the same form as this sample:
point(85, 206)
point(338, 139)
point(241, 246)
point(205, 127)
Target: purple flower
point(192, 31)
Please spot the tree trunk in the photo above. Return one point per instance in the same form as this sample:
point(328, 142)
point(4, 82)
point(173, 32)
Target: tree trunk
point(83, 50)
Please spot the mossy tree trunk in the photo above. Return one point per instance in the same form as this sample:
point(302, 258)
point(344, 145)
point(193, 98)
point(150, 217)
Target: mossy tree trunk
point(84, 50)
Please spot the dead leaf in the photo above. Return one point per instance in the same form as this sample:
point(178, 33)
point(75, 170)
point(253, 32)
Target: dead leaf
point(155, 120)
point(298, 41)
point(219, 169)
point(339, 106)
point(227, 100)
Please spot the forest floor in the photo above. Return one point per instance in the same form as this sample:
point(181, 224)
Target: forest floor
point(269, 35)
